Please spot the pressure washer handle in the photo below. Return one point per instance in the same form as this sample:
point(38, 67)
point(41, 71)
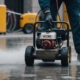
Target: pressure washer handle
point(62, 22)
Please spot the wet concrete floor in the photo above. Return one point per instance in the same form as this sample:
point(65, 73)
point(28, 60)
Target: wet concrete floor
point(12, 65)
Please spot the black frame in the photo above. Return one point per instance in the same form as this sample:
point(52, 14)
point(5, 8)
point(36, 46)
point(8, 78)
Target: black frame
point(62, 22)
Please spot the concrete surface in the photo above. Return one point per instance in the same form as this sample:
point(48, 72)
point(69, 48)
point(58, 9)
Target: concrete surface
point(12, 65)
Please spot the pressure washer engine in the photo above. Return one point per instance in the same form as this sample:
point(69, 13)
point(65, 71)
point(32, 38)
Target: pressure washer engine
point(46, 40)
point(48, 46)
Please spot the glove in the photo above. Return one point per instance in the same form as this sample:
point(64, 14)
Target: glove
point(48, 18)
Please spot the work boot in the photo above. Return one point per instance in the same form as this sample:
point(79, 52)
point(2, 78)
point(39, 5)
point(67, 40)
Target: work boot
point(78, 57)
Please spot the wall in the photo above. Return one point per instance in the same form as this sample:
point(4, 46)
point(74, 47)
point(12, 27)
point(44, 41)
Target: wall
point(1, 1)
point(35, 5)
point(27, 5)
point(31, 5)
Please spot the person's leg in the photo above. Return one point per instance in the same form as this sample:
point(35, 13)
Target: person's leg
point(54, 11)
point(53, 7)
point(73, 9)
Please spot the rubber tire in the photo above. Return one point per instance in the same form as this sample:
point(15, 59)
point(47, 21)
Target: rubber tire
point(70, 54)
point(4, 33)
point(29, 60)
point(64, 56)
point(28, 29)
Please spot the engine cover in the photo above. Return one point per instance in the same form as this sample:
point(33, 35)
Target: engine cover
point(48, 35)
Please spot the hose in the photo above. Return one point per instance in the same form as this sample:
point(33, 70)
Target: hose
point(12, 18)
point(9, 20)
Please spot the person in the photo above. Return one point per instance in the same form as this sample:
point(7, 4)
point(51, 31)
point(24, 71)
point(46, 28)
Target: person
point(49, 8)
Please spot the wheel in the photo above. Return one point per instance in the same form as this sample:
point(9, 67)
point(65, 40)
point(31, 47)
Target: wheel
point(28, 28)
point(38, 43)
point(29, 60)
point(69, 55)
point(4, 33)
point(64, 56)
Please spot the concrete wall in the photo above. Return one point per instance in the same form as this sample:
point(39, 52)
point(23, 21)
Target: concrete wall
point(1, 1)
point(61, 12)
point(35, 5)
point(31, 5)
point(27, 5)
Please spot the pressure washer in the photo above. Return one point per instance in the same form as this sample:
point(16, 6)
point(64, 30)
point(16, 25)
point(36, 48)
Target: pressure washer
point(48, 45)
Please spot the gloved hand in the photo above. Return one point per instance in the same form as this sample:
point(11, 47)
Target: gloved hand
point(48, 18)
